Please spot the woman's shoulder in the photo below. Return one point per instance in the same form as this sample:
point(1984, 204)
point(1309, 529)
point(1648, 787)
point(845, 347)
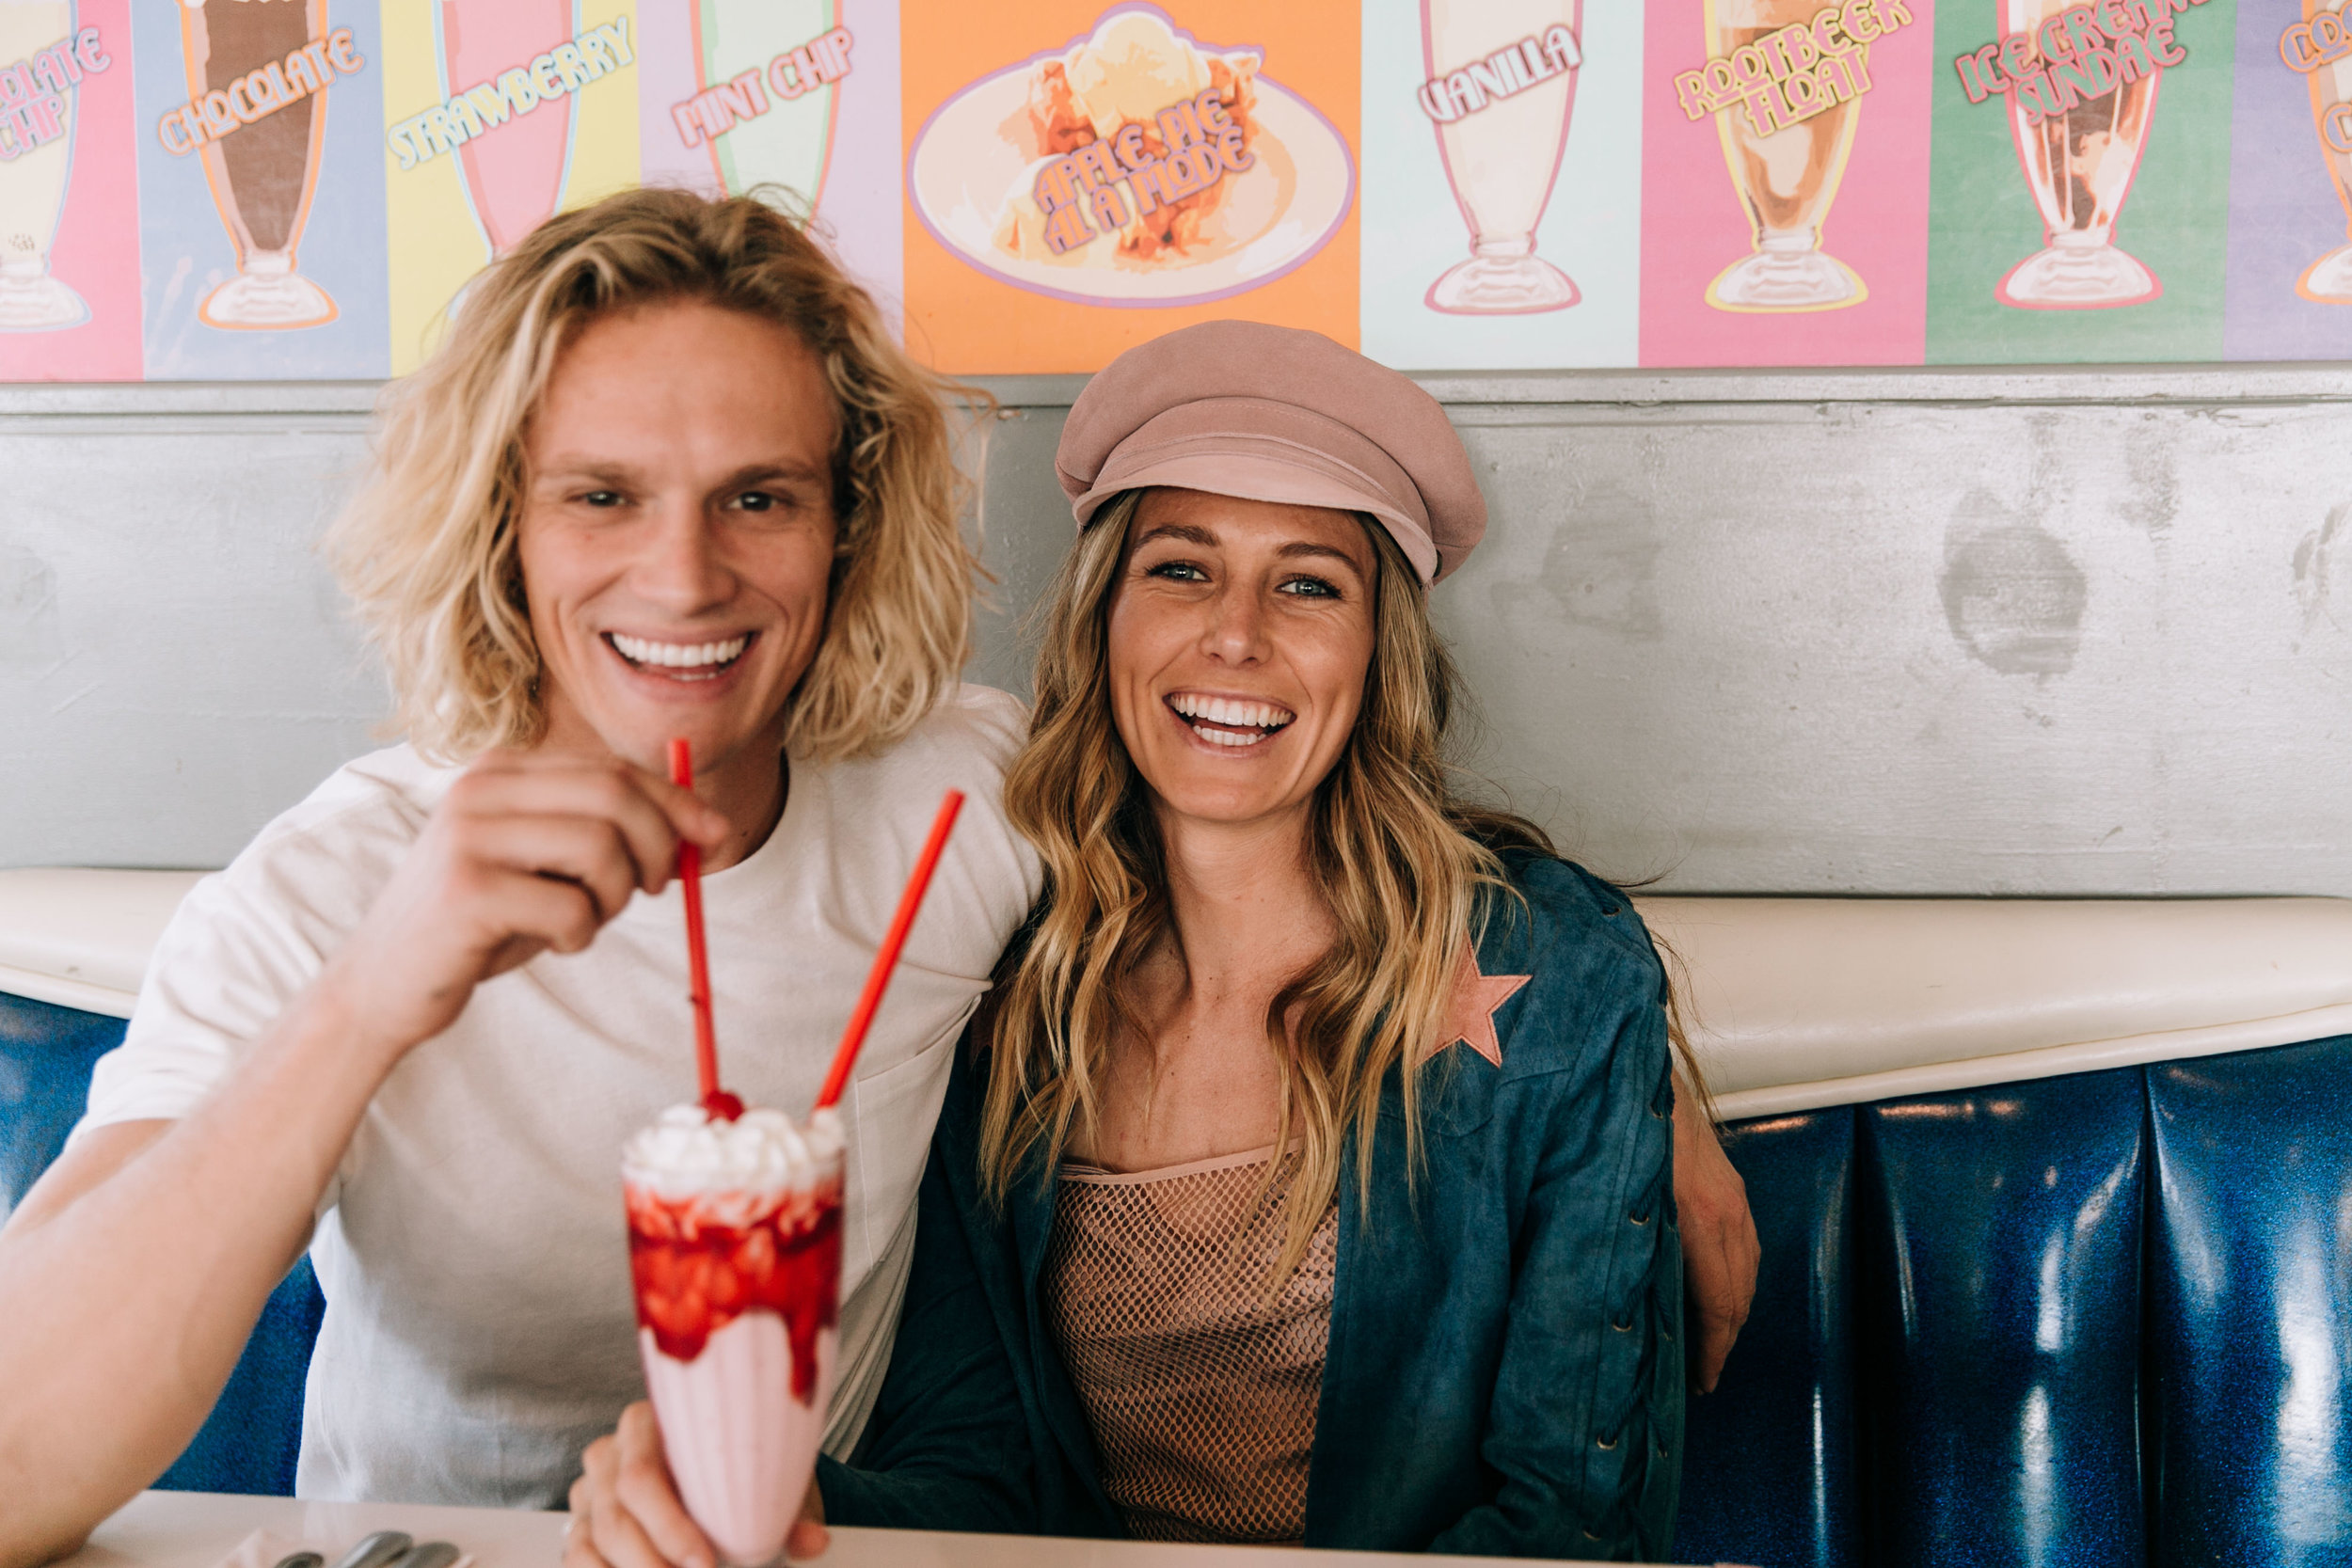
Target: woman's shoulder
point(1565, 911)
point(1583, 962)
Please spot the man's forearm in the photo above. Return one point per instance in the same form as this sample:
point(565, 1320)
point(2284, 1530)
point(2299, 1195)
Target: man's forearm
point(133, 1274)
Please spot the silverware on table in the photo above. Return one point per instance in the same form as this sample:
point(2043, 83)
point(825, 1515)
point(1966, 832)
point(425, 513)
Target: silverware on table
point(429, 1554)
point(375, 1551)
point(300, 1560)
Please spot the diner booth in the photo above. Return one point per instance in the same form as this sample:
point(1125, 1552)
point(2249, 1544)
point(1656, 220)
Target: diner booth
point(1921, 580)
point(2046, 1191)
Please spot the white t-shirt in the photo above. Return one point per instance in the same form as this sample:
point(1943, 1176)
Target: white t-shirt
point(472, 1249)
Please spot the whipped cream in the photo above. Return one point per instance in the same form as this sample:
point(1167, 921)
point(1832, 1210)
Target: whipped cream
point(686, 1152)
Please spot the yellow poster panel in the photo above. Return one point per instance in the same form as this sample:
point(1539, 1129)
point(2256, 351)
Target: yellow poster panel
point(497, 115)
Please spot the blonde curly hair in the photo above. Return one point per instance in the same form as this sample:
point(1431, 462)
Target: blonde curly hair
point(427, 549)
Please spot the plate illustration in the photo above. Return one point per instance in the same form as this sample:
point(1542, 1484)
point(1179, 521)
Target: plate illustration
point(971, 173)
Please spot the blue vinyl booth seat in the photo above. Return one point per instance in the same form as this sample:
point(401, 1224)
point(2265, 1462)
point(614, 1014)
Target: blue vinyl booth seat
point(2088, 1320)
point(254, 1434)
point(2030, 1317)
point(78, 940)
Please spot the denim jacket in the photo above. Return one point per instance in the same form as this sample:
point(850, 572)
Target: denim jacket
point(1505, 1374)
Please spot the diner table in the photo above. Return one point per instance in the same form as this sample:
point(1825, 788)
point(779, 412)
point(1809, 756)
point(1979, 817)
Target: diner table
point(200, 1529)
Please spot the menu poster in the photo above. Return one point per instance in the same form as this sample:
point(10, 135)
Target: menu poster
point(498, 113)
point(2082, 181)
point(304, 189)
point(1507, 141)
point(1082, 178)
point(1785, 193)
point(2290, 262)
point(797, 95)
point(69, 209)
point(260, 189)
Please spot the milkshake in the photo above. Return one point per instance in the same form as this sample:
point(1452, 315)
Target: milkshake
point(514, 171)
point(792, 142)
point(265, 173)
point(2079, 166)
point(1787, 177)
point(33, 180)
point(735, 1247)
point(1502, 84)
point(2327, 280)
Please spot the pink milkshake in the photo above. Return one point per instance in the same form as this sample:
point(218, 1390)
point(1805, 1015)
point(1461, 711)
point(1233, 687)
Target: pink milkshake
point(734, 1245)
point(513, 170)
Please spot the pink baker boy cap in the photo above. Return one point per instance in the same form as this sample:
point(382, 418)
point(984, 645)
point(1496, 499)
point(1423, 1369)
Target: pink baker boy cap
point(1275, 414)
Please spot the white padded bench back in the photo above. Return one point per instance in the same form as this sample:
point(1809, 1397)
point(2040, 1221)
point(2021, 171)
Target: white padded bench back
point(1799, 1003)
point(1792, 1003)
point(81, 938)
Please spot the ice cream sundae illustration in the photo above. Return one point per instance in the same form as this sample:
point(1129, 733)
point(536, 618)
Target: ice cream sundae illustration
point(2079, 165)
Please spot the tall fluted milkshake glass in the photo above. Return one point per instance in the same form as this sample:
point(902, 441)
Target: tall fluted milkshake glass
point(2079, 166)
point(33, 183)
point(1787, 179)
point(735, 1250)
point(1501, 87)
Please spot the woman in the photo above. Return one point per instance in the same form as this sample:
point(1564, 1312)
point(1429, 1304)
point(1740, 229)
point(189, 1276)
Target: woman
point(1311, 1178)
point(670, 475)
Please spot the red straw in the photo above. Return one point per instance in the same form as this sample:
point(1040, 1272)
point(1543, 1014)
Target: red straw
point(886, 960)
point(716, 1101)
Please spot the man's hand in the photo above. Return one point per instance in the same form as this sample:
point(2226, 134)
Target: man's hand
point(626, 1512)
point(527, 852)
point(1719, 1252)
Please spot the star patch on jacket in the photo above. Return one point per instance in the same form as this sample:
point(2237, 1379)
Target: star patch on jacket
point(1469, 1018)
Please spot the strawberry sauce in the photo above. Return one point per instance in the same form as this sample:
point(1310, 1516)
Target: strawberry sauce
point(701, 1262)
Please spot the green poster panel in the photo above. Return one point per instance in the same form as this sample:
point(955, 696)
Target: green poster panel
point(2169, 210)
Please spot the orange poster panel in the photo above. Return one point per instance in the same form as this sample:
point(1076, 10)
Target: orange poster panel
point(1082, 176)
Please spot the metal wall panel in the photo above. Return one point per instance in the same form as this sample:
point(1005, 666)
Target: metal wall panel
point(1933, 632)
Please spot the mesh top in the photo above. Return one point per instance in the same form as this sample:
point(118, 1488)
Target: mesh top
point(1200, 1391)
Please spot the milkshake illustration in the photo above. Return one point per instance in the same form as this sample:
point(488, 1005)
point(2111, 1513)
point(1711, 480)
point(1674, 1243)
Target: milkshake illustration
point(735, 1251)
point(792, 142)
point(1785, 178)
point(2327, 280)
point(33, 185)
point(2079, 166)
point(1501, 87)
point(514, 172)
point(263, 174)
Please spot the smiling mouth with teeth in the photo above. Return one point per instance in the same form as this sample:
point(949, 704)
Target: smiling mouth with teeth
point(1229, 721)
point(685, 661)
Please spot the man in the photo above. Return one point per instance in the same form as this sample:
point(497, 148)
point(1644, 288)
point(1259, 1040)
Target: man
point(669, 477)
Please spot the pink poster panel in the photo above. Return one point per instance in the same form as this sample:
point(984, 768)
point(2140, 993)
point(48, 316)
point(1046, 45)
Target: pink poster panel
point(68, 194)
point(1785, 182)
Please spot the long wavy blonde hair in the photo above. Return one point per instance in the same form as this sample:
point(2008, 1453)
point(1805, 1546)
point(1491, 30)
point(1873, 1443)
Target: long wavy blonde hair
point(1400, 857)
point(427, 549)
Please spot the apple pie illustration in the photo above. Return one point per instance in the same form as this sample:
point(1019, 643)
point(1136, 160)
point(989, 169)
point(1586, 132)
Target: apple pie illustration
point(1137, 135)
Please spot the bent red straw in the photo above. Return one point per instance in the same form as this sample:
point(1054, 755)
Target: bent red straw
point(715, 1101)
point(886, 958)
